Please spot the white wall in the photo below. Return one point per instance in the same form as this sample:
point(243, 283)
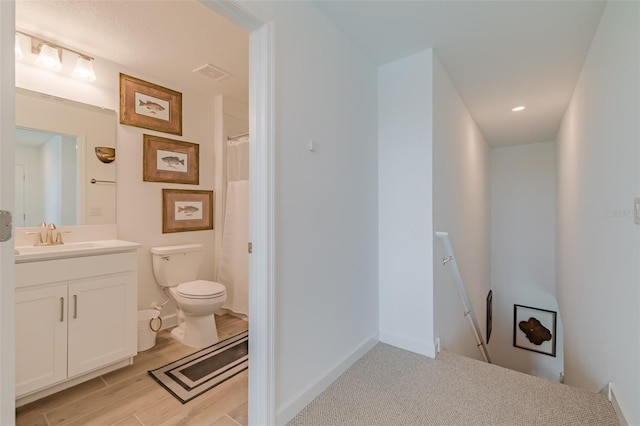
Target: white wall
point(523, 265)
point(326, 202)
point(598, 244)
point(460, 207)
point(405, 228)
point(433, 175)
point(139, 204)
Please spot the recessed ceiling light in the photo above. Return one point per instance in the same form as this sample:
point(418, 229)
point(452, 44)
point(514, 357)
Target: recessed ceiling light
point(518, 108)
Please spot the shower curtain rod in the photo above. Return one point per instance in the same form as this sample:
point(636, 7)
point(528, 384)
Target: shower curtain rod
point(237, 136)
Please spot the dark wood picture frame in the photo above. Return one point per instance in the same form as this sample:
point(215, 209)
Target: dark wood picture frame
point(489, 314)
point(168, 160)
point(534, 329)
point(150, 106)
point(186, 210)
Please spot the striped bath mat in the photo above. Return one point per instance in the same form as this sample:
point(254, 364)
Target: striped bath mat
point(195, 374)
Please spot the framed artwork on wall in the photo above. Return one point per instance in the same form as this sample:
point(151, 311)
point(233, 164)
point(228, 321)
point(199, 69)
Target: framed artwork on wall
point(147, 105)
point(186, 210)
point(489, 314)
point(534, 329)
point(168, 160)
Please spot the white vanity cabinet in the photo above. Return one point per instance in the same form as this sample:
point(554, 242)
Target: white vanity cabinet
point(101, 328)
point(75, 319)
point(41, 338)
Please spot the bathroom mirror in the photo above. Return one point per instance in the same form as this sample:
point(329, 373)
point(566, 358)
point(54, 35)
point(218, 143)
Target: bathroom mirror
point(61, 177)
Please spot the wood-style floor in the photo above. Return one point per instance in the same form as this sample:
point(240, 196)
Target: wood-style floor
point(130, 397)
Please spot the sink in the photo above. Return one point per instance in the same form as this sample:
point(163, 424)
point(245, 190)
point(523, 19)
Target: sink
point(54, 248)
point(79, 249)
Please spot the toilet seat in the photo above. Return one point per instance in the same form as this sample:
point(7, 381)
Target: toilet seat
point(200, 289)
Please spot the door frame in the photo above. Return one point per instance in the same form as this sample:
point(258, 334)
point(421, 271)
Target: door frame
point(7, 201)
point(261, 214)
point(261, 208)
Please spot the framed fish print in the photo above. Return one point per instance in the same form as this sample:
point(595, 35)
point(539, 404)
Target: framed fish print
point(147, 105)
point(168, 160)
point(186, 210)
point(534, 329)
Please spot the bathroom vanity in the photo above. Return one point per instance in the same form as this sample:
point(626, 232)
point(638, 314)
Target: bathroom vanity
point(75, 310)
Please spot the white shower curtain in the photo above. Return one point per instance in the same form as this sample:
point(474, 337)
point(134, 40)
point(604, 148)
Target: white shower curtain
point(233, 270)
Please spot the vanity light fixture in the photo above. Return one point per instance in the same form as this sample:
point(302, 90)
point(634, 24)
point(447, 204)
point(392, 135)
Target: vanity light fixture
point(50, 56)
point(518, 108)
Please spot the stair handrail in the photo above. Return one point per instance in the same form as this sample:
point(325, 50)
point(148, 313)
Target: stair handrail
point(462, 292)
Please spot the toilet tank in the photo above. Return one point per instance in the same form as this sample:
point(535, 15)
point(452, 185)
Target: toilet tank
point(173, 265)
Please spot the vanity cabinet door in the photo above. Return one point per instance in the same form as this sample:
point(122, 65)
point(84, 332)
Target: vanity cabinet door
point(102, 322)
point(41, 337)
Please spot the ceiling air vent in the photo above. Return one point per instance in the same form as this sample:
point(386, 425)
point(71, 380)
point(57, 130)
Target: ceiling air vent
point(212, 72)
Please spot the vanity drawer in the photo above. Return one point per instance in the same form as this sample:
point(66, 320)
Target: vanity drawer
point(61, 270)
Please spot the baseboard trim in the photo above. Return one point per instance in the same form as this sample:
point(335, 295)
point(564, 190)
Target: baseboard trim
point(610, 392)
point(293, 407)
point(616, 405)
point(409, 344)
point(67, 383)
point(169, 321)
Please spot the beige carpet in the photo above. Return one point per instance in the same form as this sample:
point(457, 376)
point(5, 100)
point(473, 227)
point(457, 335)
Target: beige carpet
point(390, 386)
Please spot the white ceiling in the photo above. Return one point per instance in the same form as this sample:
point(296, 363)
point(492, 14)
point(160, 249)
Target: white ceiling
point(499, 54)
point(168, 39)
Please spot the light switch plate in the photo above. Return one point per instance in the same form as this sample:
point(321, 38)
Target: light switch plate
point(636, 210)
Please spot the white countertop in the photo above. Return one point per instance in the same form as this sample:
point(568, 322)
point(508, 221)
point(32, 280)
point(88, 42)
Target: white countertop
point(77, 249)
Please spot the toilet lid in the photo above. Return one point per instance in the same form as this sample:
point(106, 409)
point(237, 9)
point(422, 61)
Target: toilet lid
point(200, 289)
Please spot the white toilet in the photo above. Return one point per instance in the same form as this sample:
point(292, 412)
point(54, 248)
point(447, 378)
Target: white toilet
point(177, 267)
